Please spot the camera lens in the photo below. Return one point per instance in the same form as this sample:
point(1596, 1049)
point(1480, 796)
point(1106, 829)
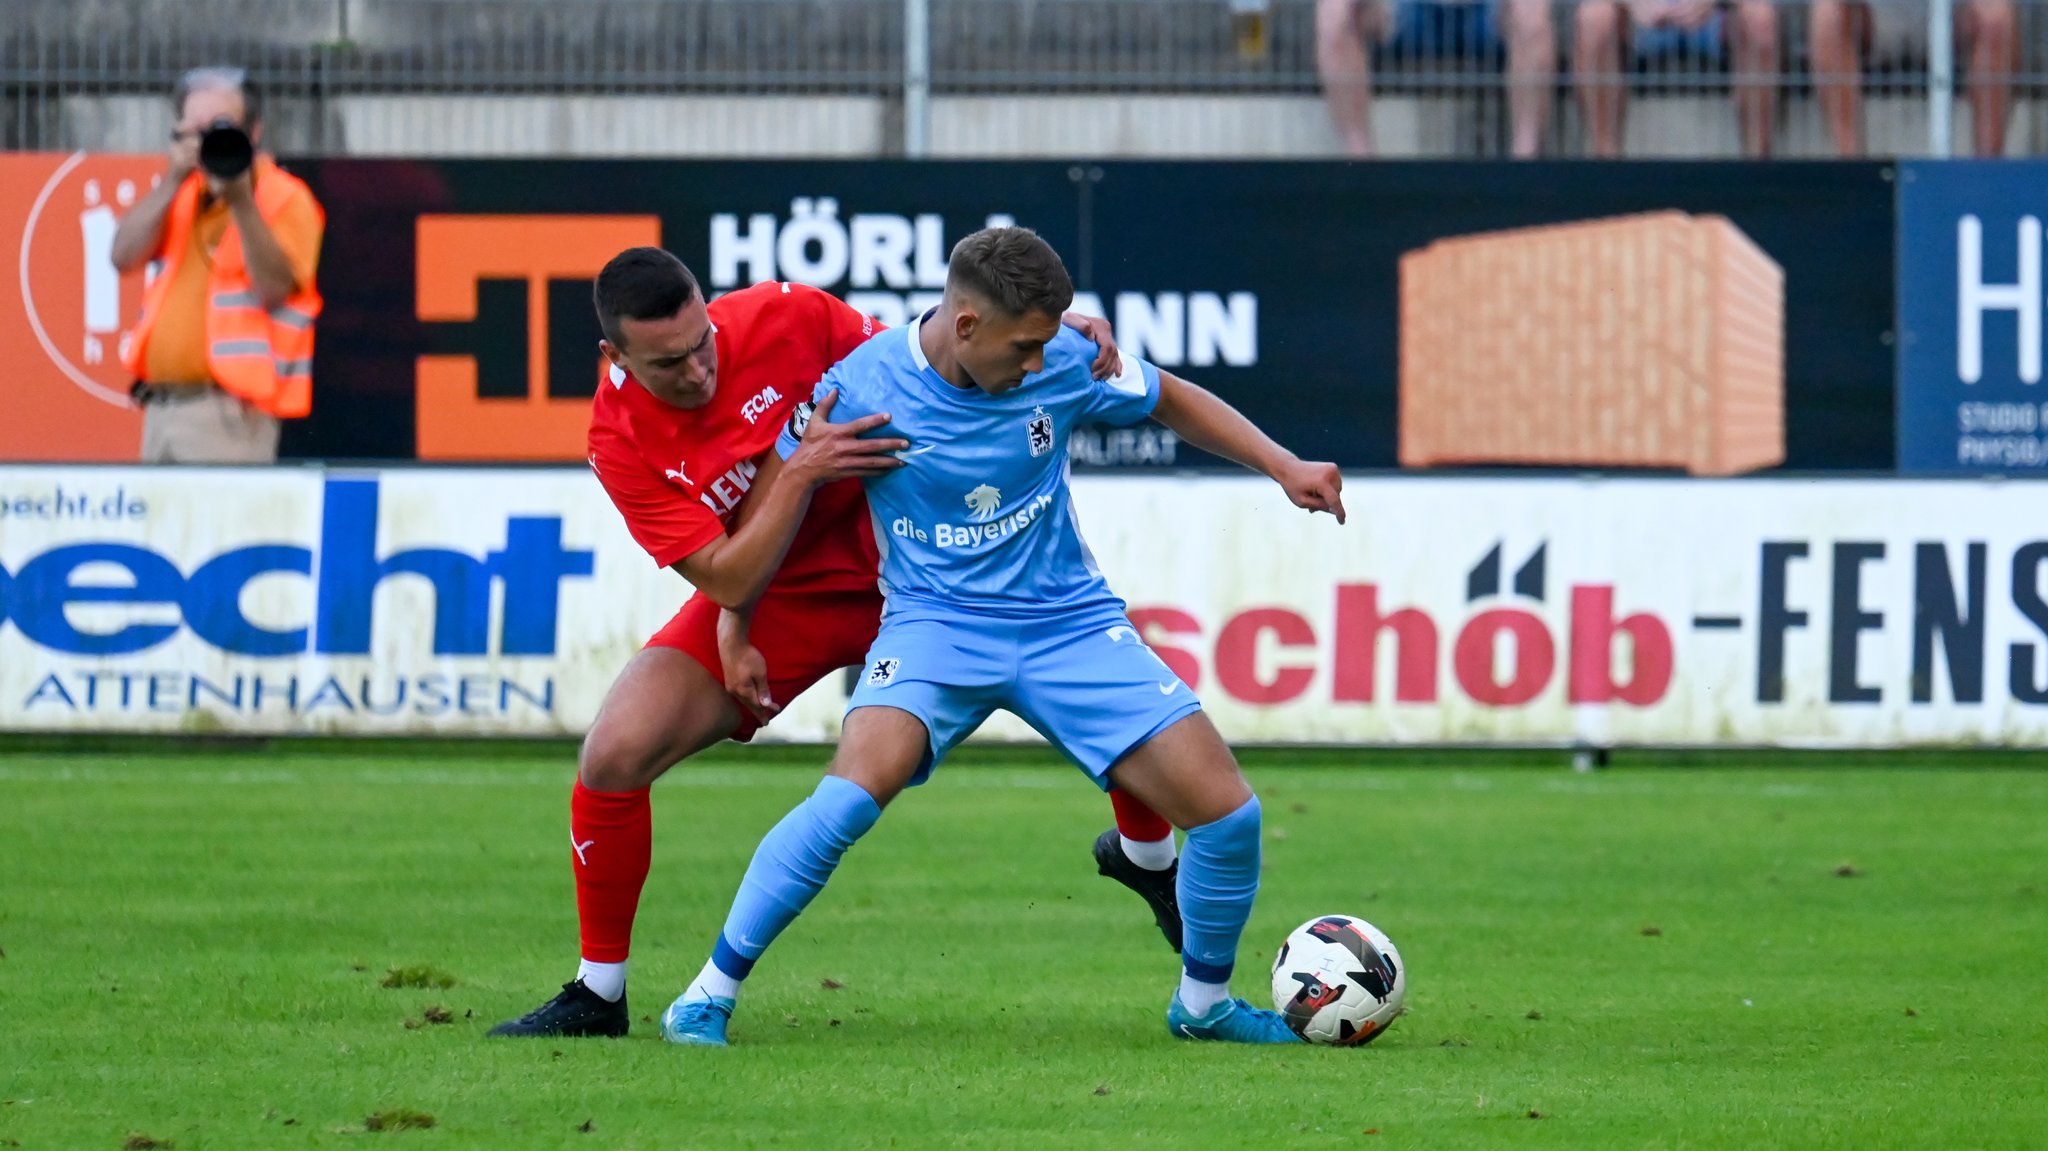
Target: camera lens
point(225, 150)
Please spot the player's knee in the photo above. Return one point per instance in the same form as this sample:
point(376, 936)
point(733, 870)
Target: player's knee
point(610, 763)
point(1214, 799)
point(1232, 835)
point(881, 749)
point(882, 777)
point(1222, 788)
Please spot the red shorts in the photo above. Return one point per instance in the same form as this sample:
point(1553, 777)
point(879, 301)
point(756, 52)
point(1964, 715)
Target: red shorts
point(804, 636)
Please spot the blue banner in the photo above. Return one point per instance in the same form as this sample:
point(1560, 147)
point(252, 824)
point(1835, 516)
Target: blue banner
point(1970, 301)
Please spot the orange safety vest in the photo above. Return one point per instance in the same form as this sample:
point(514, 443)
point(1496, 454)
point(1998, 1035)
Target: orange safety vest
point(264, 358)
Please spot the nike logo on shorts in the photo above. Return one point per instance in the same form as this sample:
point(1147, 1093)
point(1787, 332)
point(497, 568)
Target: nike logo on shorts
point(1168, 688)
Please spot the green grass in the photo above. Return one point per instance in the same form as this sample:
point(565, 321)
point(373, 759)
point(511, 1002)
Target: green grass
point(196, 942)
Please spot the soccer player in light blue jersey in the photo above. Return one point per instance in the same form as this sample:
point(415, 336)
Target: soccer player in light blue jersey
point(993, 601)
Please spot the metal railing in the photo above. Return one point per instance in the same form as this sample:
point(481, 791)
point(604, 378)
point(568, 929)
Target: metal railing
point(994, 77)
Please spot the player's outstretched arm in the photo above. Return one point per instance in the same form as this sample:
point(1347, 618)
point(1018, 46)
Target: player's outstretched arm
point(735, 569)
point(1197, 416)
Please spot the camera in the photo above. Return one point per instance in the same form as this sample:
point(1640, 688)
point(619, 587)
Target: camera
point(225, 150)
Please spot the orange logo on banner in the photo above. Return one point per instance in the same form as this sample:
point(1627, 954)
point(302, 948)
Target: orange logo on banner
point(455, 253)
point(63, 393)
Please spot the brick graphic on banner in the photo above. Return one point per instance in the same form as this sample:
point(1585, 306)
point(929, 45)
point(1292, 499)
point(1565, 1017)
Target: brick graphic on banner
point(1652, 341)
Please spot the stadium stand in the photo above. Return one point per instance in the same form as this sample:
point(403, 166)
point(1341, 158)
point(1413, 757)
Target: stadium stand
point(1108, 78)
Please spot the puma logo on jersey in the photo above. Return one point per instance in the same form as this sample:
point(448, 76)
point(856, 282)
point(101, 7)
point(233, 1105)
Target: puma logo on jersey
point(757, 407)
point(675, 473)
point(724, 494)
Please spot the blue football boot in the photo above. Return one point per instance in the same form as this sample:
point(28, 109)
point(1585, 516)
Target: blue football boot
point(697, 1022)
point(1231, 1021)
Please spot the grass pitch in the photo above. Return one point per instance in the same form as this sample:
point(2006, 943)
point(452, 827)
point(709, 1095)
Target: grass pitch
point(1772, 952)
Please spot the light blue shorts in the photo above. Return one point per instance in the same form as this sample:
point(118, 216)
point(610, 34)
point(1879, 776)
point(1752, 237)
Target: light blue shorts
point(1082, 678)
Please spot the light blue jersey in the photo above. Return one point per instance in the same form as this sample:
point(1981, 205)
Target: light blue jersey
point(993, 599)
point(980, 518)
point(994, 602)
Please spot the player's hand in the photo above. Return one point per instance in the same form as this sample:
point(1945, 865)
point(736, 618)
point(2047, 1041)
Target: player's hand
point(1107, 361)
point(745, 668)
point(1318, 487)
point(837, 451)
point(746, 677)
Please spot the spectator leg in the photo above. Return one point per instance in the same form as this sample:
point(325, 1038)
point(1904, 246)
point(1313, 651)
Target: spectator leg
point(1990, 30)
point(1837, 60)
point(1532, 74)
point(1346, 70)
point(1596, 73)
point(1755, 47)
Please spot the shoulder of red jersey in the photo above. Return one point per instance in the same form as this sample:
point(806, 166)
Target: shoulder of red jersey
point(774, 297)
point(610, 435)
point(777, 319)
point(768, 295)
point(609, 403)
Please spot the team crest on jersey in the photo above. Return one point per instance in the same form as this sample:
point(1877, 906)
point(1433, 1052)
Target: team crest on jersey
point(882, 671)
point(1039, 431)
point(800, 418)
point(757, 407)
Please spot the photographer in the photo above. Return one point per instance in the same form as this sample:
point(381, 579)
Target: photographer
point(224, 349)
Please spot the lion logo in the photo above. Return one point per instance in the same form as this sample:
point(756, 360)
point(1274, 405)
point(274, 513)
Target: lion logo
point(983, 501)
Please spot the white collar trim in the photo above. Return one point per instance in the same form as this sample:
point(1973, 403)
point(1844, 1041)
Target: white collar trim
point(917, 343)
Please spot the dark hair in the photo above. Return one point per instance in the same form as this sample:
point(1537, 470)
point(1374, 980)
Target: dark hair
point(640, 284)
point(1014, 270)
point(218, 77)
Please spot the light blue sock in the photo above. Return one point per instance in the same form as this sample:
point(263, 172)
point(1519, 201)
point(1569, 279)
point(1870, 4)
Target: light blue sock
point(1219, 878)
point(791, 866)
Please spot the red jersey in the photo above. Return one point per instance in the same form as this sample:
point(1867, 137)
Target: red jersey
point(678, 476)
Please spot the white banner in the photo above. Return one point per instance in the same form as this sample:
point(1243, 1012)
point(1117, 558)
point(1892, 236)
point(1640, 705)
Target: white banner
point(502, 602)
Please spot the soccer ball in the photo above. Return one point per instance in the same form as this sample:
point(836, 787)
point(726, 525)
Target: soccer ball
point(1339, 981)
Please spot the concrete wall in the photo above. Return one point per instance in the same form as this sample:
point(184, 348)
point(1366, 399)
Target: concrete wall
point(847, 126)
point(979, 126)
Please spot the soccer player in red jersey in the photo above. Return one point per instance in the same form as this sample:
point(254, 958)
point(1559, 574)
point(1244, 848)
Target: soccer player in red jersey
point(696, 393)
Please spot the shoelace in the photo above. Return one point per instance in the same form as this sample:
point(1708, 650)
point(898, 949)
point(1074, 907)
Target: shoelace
point(537, 1012)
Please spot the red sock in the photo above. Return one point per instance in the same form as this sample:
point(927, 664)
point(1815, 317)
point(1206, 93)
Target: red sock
point(1135, 821)
point(612, 834)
